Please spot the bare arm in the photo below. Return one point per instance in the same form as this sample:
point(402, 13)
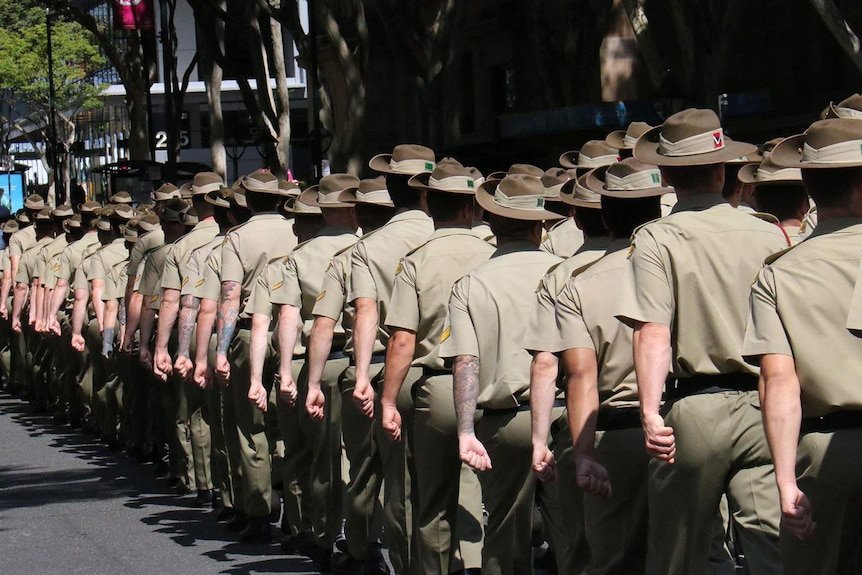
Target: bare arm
point(466, 391)
point(58, 296)
point(98, 288)
point(288, 323)
point(782, 416)
point(133, 320)
point(33, 309)
point(18, 304)
point(148, 320)
point(189, 306)
point(168, 310)
point(364, 335)
point(543, 378)
point(399, 356)
point(111, 312)
point(79, 314)
point(258, 343)
point(652, 353)
point(5, 288)
point(226, 318)
point(319, 348)
point(206, 321)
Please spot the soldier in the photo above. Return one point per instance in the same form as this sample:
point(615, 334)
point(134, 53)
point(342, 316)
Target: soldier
point(375, 260)
point(246, 251)
point(484, 338)
point(684, 292)
point(811, 410)
point(624, 140)
point(9, 228)
point(779, 192)
point(416, 316)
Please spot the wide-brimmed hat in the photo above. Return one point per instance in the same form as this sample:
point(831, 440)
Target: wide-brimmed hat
point(553, 180)
point(220, 197)
point(34, 202)
point(478, 178)
point(298, 207)
point(189, 216)
point(767, 173)
point(753, 158)
point(46, 214)
point(108, 217)
point(173, 210)
point(185, 191)
point(692, 137)
point(449, 177)
point(206, 182)
point(64, 211)
point(850, 108)
point(124, 211)
point(22, 218)
point(130, 233)
point(576, 193)
point(519, 197)
point(120, 198)
point(766, 147)
point(371, 191)
point(627, 179)
point(90, 208)
point(834, 143)
point(328, 192)
point(405, 159)
point(593, 154)
point(289, 188)
point(149, 223)
point(262, 182)
point(10, 227)
point(625, 139)
point(166, 192)
point(75, 222)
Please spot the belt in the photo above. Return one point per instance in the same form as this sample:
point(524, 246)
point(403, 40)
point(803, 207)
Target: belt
point(702, 384)
point(429, 372)
point(615, 419)
point(832, 422)
point(560, 402)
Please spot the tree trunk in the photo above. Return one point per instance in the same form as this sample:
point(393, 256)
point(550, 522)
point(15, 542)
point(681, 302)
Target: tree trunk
point(282, 98)
point(212, 75)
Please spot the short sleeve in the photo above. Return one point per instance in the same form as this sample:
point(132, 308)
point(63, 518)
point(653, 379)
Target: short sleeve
point(210, 286)
point(333, 291)
point(285, 288)
point(231, 264)
point(571, 326)
point(193, 272)
point(404, 306)
point(96, 271)
point(259, 301)
point(459, 335)
point(540, 333)
point(854, 317)
point(645, 295)
point(764, 333)
point(171, 278)
point(361, 280)
point(15, 247)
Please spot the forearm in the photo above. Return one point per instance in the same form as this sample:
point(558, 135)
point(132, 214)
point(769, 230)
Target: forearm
point(543, 378)
point(148, 320)
point(6, 286)
point(652, 355)
point(189, 306)
point(15, 261)
point(465, 374)
point(79, 310)
point(167, 318)
point(582, 399)
point(258, 343)
point(364, 335)
point(288, 324)
point(133, 315)
point(98, 287)
point(782, 414)
point(399, 357)
point(33, 304)
point(58, 296)
point(206, 321)
point(39, 301)
point(319, 348)
point(18, 298)
point(227, 315)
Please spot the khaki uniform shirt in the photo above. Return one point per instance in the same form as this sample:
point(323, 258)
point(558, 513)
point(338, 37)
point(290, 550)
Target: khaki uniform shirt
point(29, 264)
point(196, 267)
point(176, 274)
point(115, 282)
point(486, 319)
point(44, 262)
point(376, 257)
point(539, 336)
point(151, 278)
point(105, 258)
point(563, 239)
point(81, 273)
point(799, 307)
point(248, 247)
point(5, 262)
point(211, 286)
point(692, 271)
point(483, 231)
point(794, 233)
point(69, 260)
point(332, 302)
point(21, 241)
point(423, 284)
point(585, 319)
point(146, 243)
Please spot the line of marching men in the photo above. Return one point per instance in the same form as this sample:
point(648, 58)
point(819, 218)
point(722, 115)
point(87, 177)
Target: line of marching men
point(619, 356)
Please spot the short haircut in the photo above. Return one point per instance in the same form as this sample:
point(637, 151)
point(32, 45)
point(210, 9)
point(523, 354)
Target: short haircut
point(784, 201)
point(591, 222)
point(731, 180)
point(504, 227)
point(559, 208)
point(372, 216)
point(832, 187)
point(262, 202)
point(623, 215)
point(444, 207)
point(203, 208)
point(689, 177)
point(403, 196)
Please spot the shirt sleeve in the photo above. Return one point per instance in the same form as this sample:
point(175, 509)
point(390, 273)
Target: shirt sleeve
point(764, 333)
point(171, 278)
point(332, 298)
point(572, 328)
point(259, 301)
point(540, 334)
point(231, 264)
point(361, 280)
point(23, 275)
point(854, 318)
point(459, 335)
point(96, 271)
point(285, 288)
point(15, 247)
point(646, 295)
point(210, 288)
point(193, 272)
point(404, 306)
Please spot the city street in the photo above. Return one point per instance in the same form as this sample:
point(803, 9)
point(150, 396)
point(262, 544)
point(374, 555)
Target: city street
point(70, 505)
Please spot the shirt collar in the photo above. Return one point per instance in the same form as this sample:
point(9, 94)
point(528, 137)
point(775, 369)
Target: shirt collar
point(831, 225)
point(697, 202)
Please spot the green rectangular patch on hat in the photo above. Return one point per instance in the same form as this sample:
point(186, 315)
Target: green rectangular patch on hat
point(540, 203)
point(429, 166)
point(471, 184)
point(656, 179)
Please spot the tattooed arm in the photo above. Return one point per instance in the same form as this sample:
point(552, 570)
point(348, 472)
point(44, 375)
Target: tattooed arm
point(189, 306)
point(167, 318)
point(466, 391)
point(228, 313)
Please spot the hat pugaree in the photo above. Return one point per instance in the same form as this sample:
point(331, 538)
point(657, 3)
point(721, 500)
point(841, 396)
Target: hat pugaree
point(518, 197)
point(295, 206)
point(34, 202)
point(220, 198)
point(576, 193)
point(75, 222)
point(593, 154)
point(165, 192)
point(553, 180)
point(767, 173)
point(448, 177)
point(46, 214)
point(205, 182)
point(625, 139)
point(10, 227)
point(120, 198)
point(264, 182)
point(405, 159)
point(327, 193)
point(834, 143)
point(289, 188)
point(850, 108)
point(63, 211)
point(692, 137)
point(90, 208)
point(174, 211)
point(628, 179)
point(149, 223)
point(370, 191)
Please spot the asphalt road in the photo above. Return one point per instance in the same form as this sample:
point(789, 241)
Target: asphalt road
point(70, 505)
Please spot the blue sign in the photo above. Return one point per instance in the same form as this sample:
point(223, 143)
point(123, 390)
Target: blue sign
point(12, 184)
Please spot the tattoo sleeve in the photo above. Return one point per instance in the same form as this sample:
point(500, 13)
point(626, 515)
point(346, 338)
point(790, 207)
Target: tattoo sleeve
point(189, 305)
point(121, 313)
point(227, 315)
point(466, 383)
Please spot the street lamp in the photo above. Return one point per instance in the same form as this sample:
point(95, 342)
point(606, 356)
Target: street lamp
point(59, 191)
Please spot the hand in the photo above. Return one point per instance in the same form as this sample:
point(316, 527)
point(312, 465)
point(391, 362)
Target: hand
point(40, 327)
point(31, 319)
point(54, 327)
point(184, 367)
point(3, 311)
point(391, 420)
point(660, 442)
point(287, 388)
point(162, 364)
point(126, 346)
point(78, 342)
point(203, 376)
point(146, 358)
point(16, 324)
point(472, 452)
point(796, 512)
point(544, 463)
point(222, 370)
point(363, 396)
point(315, 402)
point(592, 477)
point(258, 396)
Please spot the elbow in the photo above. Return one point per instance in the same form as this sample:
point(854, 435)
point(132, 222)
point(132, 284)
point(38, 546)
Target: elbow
point(543, 366)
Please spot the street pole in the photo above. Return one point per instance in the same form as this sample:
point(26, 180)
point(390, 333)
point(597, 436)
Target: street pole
point(316, 145)
point(167, 78)
point(59, 192)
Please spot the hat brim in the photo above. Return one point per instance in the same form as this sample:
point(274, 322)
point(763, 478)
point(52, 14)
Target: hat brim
point(788, 154)
point(485, 198)
point(569, 159)
point(310, 196)
point(380, 163)
point(421, 182)
point(348, 196)
point(616, 139)
point(567, 196)
point(595, 182)
point(646, 151)
point(214, 199)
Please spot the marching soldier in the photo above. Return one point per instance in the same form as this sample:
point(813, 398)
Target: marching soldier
point(780, 193)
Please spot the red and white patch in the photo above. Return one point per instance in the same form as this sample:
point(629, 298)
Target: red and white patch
point(717, 140)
